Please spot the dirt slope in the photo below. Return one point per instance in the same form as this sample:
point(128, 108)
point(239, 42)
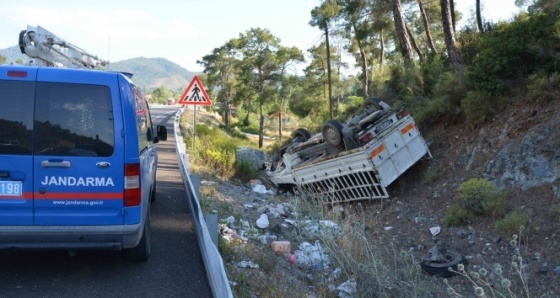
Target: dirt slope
point(461, 152)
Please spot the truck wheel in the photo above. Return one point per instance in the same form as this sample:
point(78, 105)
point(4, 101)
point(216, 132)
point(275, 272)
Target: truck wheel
point(371, 105)
point(142, 251)
point(332, 132)
point(450, 258)
point(301, 135)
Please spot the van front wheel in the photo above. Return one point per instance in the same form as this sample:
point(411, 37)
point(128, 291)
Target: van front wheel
point(141, 252)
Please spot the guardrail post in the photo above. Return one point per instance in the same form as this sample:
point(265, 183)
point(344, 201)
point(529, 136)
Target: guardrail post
point(195, 180)
point(211, 220)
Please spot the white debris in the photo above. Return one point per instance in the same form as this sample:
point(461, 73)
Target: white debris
point(263, 239)
point(321, 228)
point(290, 221)
point(230, 221)
point(259, 188)
point(244, 223)
point(311, 256)
point(262, 222)
point(247, 264)
point(435, 230)
point(347, 289)
point(280, 209)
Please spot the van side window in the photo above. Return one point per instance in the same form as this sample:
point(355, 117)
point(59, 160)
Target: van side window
point(143, 121)
point(73, 120)
point(16, 117)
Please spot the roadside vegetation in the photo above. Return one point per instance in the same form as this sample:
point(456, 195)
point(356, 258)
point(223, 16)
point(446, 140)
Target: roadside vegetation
point(381, 268)
point(497, 65)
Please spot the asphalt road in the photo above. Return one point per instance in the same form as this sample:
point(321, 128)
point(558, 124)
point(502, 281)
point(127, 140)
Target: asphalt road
point(175, 268)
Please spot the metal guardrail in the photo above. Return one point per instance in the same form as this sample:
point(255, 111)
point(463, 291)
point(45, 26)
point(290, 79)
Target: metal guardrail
point(212, 259)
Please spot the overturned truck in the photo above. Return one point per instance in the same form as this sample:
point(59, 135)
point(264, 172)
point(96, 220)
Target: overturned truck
point(354, 160)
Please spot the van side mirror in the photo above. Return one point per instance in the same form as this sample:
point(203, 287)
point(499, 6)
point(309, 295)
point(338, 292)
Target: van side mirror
point(161, 133)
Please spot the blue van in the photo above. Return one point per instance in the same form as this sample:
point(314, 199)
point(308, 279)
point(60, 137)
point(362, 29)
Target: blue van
point(77, 161)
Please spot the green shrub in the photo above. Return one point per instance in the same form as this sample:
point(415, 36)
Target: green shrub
point(481, 197)
point(405, 82)
point(456, 216)
point(543, 87)
point(512, 223)
point(514, 50)
point(430, 176)
point(478, 107)
point(448, 92)
point(244, 170)
point(204, 130)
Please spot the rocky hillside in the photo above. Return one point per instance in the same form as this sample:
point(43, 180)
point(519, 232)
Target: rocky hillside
point(518, 151)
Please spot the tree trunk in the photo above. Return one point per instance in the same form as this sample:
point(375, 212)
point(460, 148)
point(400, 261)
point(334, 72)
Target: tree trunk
point(414, 45)
point(448, 32)
point(280, 123)
point(226, 112)
point(363, 64)
point(280, 105)
point(452, 10)
point(403, 37)
point(331, 114)
point(382, 51)
point(479, 17)
point(427, 26)
point(261, 123)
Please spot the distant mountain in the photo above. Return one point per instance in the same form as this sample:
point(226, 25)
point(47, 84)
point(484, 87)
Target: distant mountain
point(12, 54)
point(148, 73)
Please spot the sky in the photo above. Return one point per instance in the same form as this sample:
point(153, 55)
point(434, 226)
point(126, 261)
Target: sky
point(182, 31)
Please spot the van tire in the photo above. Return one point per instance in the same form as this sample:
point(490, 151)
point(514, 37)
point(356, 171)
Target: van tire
point(142, 251)
point(153, 193)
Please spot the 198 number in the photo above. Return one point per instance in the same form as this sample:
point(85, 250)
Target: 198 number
point(10, 188)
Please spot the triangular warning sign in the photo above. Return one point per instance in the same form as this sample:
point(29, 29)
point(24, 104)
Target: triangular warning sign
point(195, 94)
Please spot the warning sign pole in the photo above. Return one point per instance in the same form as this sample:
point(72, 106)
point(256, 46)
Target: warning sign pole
point(194, 128)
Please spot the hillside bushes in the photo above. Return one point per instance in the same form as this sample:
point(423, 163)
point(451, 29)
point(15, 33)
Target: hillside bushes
point(515, 50)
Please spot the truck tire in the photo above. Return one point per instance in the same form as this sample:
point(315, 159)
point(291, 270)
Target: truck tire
point(451, 259)
point(301, 135)
point(371, 105)
point(332, 132)
point(142, 251)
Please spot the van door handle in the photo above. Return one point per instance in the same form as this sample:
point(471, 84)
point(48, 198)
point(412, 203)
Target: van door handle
point(55, 164)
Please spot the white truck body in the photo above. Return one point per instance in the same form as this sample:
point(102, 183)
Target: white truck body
point(387, 148)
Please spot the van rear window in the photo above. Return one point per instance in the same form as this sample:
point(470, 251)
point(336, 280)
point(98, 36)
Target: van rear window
point(73, 120)
point(16, 117)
